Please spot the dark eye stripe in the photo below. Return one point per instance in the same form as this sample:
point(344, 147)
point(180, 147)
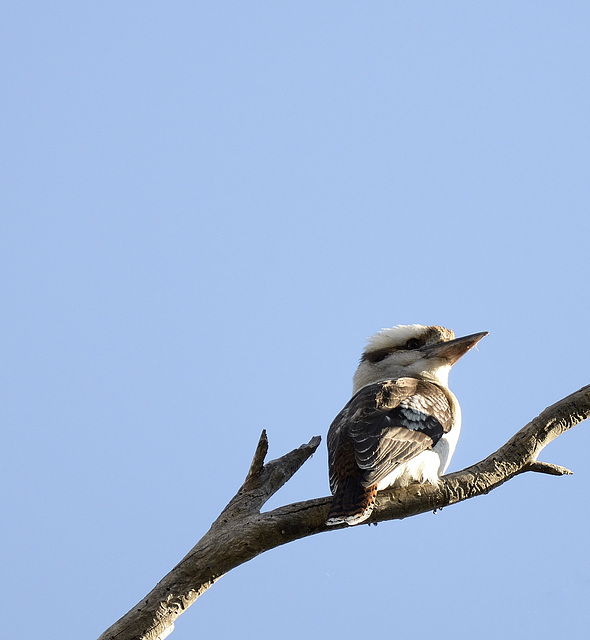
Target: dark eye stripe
point(376, 356)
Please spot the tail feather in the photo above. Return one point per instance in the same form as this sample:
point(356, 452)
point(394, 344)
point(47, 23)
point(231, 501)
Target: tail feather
point(352, 503)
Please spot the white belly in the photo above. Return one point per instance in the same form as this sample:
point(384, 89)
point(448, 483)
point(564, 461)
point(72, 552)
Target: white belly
point(427, 466)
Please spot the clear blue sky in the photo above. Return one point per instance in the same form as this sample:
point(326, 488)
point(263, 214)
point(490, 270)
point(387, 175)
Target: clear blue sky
point(206, 209)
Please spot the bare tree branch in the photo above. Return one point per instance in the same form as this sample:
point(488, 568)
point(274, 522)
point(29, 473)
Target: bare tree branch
point(241, 532)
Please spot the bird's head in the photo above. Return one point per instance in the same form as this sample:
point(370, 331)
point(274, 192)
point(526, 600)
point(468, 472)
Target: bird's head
point(412, 350)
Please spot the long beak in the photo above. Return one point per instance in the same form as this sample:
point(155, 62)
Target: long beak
point(454, 349)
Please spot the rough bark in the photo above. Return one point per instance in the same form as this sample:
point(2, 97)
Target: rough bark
point(241, 532)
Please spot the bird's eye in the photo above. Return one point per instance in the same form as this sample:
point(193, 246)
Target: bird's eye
point(414, 343)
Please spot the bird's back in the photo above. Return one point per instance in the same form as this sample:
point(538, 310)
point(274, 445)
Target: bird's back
point(390, 431)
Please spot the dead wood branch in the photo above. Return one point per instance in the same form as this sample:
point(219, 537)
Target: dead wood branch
point(241, 532)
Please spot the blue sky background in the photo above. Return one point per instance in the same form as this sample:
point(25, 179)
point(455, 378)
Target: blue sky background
point(206, 209)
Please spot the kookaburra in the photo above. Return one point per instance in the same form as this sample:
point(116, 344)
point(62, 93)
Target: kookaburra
point(401, 424)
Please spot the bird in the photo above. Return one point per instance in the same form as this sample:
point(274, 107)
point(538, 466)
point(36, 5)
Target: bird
point(401, 424)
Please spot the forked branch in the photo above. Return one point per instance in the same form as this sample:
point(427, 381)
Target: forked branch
point(241, 532)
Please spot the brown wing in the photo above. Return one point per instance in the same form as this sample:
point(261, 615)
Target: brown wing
point(385, 424)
